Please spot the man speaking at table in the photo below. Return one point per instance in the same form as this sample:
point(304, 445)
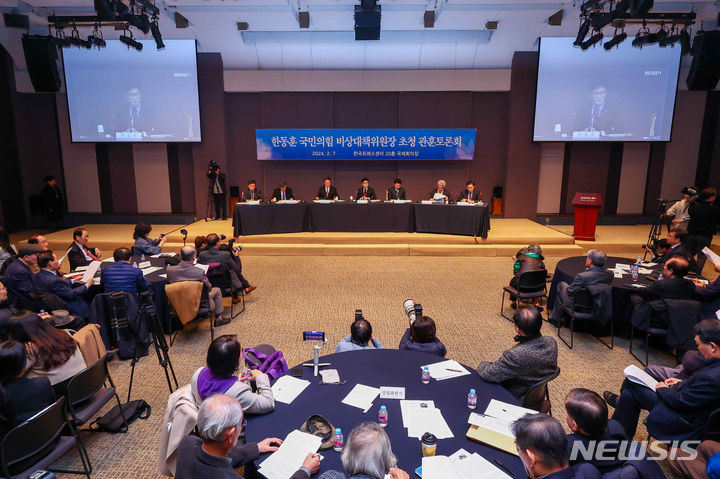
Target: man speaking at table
point(365, 192)
point(252, 193)
point(397, 192)
point(282, 193)
point(441, 193)
point(327, 191)
point(469, 195)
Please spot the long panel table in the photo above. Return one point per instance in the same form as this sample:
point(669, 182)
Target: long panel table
point(386, 367)
point(269, 218)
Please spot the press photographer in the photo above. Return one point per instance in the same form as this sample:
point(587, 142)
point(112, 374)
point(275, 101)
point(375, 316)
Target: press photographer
point(680, 210)
point(217, 189)
point(229, 256)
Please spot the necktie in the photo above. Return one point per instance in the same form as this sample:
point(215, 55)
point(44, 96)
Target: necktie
point(94, 258)
point(397, 194)
point(327, 192)
point(595, 112)
point(283, 196)
point(469, 195)
point(252, 195)
point(364, 191)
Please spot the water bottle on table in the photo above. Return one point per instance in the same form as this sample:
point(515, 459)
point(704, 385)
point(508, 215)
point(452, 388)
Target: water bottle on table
point(425, 375)
point(472, 399)
point(338, 441)
point(383, 416)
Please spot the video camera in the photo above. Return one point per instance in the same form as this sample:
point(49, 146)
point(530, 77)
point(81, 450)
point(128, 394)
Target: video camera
point(655, 243)
point(230, 244)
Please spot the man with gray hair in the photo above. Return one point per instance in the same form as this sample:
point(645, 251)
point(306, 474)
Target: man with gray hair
point(187, 271)
point(543, 449)
point(368, 455)
point(595, 273)
point(441, 193)
point(214, 454)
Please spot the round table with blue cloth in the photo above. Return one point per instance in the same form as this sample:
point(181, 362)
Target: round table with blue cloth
point(386, 367)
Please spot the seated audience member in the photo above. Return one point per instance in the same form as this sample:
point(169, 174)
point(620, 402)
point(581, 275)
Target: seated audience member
point(252, 193)
point(365, 192)
point(396, 191)
point(661, 248)
point(709, 294)
point(531, 360)
point(80, 253)
point(678, 408)
point(216, 452)
point(587, 418)
point(359, 338)
point(703, 225)
point(200, 243)
point(368, 455)
point(673, 285)
point(21, 397)
point(19, 276)
point(7, 250)
point(51, 353)
point(282, 193)
point(213, 255)
point(5, 310)
point(49, 280)
point(186, 271)
point(421, 335)
point(675, 246)
point(441, 193)
point(121, 275)
point(697, 467)
point(145, 245)
point(469, 195)
point(327, 191)
point(218, 377)
point(40, 240)
point(690, 363)
point(527, 259)
point(543, 449)
point(594, 273)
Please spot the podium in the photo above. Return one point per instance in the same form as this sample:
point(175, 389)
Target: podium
point(587, 207)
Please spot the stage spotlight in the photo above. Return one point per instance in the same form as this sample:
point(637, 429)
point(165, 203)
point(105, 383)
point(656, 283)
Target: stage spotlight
point(661, 36)
point(96, 39)
point(141, 22)
point(582, 32)
point(616, 40)
point(591, 41)
point(156, 35)
point(131, 42)
point(75, 39)
point(642, 38)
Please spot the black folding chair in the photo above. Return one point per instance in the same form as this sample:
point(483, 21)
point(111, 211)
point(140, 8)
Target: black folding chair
point(531, 285)
point(648, 333)
point(219, 276)
point(538, 397)
point(691, 312)
point(88, 392)
point(39, 442)
point(583, 310)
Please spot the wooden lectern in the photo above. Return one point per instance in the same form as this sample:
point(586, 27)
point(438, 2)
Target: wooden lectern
point(587, 206)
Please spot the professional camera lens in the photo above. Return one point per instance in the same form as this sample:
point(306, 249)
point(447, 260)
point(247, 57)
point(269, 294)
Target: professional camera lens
point(222, 237)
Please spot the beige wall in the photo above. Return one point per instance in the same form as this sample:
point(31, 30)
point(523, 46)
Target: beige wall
point(633, 176)
point(552, 156)
point(152, 180)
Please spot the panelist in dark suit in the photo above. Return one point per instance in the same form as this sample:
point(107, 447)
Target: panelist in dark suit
point(121, 275)
point(365, 192)
point(599, 115)
point(134, 115)
point(252, 193)
point(595, 274)
point(442, 191)
point(80, 253)
point(469, 194)
point(282, 193)
point(679, 409)
point(397, 192)
point(327, 191)
point(49, 280)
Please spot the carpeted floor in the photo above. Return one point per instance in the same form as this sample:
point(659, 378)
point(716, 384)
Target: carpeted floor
point(321, 293)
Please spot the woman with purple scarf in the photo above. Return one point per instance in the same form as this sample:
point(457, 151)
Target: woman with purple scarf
point(219, 377)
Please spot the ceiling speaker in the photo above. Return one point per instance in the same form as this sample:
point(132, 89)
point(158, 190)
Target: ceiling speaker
point(181, 21)
point(556, 19)
point(492, 25)
point(429, 18)
point(304, 19)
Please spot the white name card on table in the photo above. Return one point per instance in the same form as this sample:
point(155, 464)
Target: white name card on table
point(401, 202)
point(426, 202)
point(151, 269)
point(323, 202)
point(144, 264)
point(622, 267)
point(91, 270)
point(363, 202)
point(387, 392)
point(287, 388)
point(463, 203)
point(644, 271)
point(163, 275)
point(253, 202)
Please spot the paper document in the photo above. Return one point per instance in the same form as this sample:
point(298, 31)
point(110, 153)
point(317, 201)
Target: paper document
point(284, 462)
point(163, 255)
point(617, 274)
point(637, 375)
point(426, 202)
point(474, 466)
point(91, 270)
point(203, 267)
point(109, 260)
point(323, 202)
point(361, 396)
point(636, 285)
point(65, 255)
point(330, 376)
point(644, 271)
point(81, 268)
point(491, 423)
point(422, 420)
point(287, 388)
point(151, 269)
point(712, 256)
point(649, 264)
point(163, 275)
point(624, 267)
point(406, 407)
point(508, 412)
point(446, 370)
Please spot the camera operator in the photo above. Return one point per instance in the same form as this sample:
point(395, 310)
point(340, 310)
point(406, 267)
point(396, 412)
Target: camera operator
point(680, 210)
point(704, 219)
point(217, 188)
point(229, 256)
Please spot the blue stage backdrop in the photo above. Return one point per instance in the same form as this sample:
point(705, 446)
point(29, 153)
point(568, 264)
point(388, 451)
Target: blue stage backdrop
point(366, 144)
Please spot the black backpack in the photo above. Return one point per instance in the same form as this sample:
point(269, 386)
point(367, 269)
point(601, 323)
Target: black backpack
point(113, 422)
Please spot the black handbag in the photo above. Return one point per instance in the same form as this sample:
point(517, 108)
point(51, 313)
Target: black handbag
point(113, 422)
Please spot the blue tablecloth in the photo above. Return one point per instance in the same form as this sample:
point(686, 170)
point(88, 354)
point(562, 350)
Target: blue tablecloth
point(386, 367)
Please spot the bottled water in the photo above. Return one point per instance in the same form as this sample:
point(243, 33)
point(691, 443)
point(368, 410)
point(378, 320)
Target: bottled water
point(425, 375)
point(634, 271)
point(245, 375)
point(135, 264)
point(472, 399)
point(338, 442)
point(142, 257)
point(383, 416)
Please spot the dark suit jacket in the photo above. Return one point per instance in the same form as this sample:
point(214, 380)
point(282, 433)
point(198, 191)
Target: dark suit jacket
point(393, 195)
point(670, 288)
point(445, 192)
point(608, 120)
point(370, 193)
point(288, 194)
point(77, 257)
point(122, 276)
point(144, 120)
point(214, 255)
point(685, 407)
point(613, 432)
point(710, 297)
point(475, 195)
point(187, 272)
point(72, 294)
point(594, 275)
point(682, 251)
point(248, 195)
point(18, 281)
point(28, 396)
point(221, 180)
point(52, 201)
point(333, 193)
point(579, 471)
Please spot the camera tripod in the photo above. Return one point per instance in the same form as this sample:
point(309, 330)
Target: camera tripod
point(157, 337)
point(656, 229)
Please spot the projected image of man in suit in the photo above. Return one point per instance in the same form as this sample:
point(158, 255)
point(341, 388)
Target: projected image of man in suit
point(134, 116)
point(599, 115)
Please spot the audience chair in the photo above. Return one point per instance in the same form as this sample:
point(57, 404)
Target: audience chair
point(583, 309)
point(39, 442)
point(186, 303)
point(48, 301)
point(648, 332)
point(712, 427)
point(88, 392)
point(219, 276)
point(538, 396)
point(531, 285)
